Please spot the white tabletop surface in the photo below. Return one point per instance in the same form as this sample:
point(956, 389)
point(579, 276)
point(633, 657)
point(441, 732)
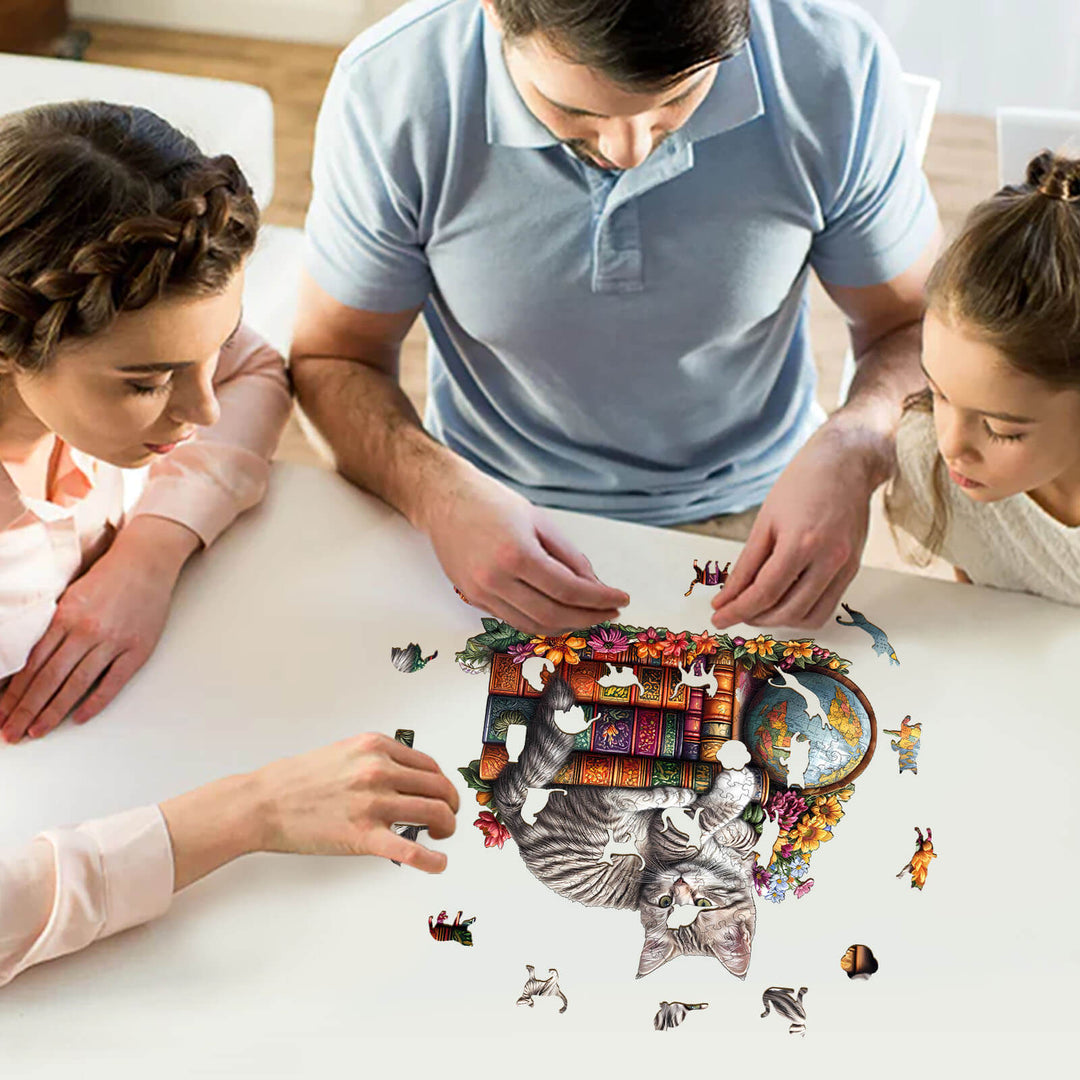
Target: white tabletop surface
point(284, 966)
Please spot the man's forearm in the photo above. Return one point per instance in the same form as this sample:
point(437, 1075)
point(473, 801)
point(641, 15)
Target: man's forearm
point(886, 373)
point(378, 440)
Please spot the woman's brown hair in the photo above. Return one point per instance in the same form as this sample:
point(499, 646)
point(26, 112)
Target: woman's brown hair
point(1012, 278)
point(103, 209)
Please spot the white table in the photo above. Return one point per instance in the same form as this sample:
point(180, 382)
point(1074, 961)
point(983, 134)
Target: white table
point(279, 642)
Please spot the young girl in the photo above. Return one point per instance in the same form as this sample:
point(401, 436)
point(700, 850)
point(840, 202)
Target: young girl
point(121, 346)
point(121, 262)
point(989, 455)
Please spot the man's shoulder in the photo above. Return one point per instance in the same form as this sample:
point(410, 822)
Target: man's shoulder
point(820, 39)
point(413, 32)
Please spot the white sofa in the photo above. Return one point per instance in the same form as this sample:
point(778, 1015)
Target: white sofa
point(222, 117)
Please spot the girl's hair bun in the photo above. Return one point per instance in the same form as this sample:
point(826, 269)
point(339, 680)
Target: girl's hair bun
point(1055, 176)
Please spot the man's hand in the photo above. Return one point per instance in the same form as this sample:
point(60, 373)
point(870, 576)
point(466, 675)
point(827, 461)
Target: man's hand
point(806, 544)
point(106, 625)
point(507, 557)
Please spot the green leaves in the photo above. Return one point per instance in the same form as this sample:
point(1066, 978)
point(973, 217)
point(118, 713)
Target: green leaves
point(471, 773)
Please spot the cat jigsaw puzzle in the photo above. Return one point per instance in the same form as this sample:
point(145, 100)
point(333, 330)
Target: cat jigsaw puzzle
point(648, 819)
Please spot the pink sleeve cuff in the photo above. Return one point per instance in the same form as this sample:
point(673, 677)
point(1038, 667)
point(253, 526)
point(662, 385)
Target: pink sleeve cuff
point(111, 874)
point(205, 486)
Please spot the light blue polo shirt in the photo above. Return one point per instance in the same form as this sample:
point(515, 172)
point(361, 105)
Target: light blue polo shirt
point(632, 344)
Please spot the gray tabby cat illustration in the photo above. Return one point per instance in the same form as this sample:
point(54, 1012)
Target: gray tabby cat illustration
point(564, 845)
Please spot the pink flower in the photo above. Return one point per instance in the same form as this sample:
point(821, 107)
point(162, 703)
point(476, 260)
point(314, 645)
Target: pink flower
point(650, 645)
point(803, 888)
point(521, 652)
point(787, 850)
point(737, 641)
point(608, 639)
point(495, 833)
point(785, 807)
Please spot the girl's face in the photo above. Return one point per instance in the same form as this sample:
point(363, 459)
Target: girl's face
point(1000, 431)
point(135, 391)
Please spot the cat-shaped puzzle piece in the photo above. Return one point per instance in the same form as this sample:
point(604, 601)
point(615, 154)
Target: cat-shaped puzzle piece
point(672, 1013)
point(710, 575)
point(919, 864)
point(789, 1005)
point(880, 639)
point(535, 988)
point(457, 931)
point(906, 744)
point(410, 658)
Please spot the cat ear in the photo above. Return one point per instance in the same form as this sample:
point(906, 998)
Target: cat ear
point(657, 951)
point(732, 948)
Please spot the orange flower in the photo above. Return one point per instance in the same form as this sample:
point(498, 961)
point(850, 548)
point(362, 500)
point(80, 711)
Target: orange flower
point(562, 649)
point(834, 663)
point(845, 793)
point(806, 836)
point(650, 645)
point(761, 645)
point(483, 797)
point(826, 811)
point(799, 649)
point(701, 645)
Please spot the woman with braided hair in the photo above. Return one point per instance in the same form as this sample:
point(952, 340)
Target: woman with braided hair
point(121, 346)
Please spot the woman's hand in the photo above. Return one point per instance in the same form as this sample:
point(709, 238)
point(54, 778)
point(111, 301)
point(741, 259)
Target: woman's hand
point(106, 625)
point(339, 800)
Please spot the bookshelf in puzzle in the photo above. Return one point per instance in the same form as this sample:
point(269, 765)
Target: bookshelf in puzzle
point(660, 732)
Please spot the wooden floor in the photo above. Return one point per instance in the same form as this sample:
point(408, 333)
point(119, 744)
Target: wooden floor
point(960, 162)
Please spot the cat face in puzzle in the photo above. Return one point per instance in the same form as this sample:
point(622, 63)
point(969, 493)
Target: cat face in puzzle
point(721, 893)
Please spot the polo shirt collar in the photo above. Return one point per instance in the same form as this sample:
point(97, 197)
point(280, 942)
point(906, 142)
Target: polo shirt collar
point(733, 100)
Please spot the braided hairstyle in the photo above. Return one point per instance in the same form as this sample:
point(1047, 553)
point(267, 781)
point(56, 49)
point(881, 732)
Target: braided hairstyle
point(1012, 277)
point(103, 209)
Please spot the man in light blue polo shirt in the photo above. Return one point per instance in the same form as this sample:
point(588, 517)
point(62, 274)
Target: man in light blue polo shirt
point(608, 215)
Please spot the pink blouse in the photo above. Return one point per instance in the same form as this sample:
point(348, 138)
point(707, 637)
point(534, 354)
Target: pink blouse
point(71, 886)
point(203, 484)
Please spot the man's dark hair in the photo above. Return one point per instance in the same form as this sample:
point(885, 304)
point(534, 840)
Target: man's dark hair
point(636, 43)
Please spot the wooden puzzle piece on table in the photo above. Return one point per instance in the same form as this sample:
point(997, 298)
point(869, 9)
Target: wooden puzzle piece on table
point(881, 644)
point(710, 575)
point(457, 931)
point(859, 962)
point(410, 658)
point(919, 863)
point(541, 988)
point(646, 755)
point(787, 1004)
point(672, 1013)
point(907, 744)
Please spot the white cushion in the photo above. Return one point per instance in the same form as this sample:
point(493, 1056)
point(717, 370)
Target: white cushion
point(222, 117)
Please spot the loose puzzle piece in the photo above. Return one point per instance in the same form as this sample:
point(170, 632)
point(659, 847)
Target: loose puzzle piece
point(409, 658)
point(906, 744)
point(457, 931)
point(410, 832)
point(711, 575)
point(859, 962)
point(919, 866)
point(672, 1013)
point(536, 799)
point(881, 640)
point(789, 1005)
point(535, 988)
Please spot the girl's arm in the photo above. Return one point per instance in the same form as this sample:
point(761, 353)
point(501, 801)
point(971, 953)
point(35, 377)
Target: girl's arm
point(71, 887)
